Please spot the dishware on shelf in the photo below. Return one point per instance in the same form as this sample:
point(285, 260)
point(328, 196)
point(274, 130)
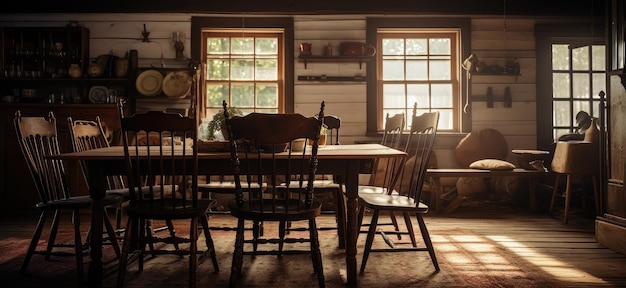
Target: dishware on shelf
point(149, 83)
point(177, 84)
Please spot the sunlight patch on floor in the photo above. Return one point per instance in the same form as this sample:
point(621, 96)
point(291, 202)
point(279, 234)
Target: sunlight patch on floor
point(550, 265)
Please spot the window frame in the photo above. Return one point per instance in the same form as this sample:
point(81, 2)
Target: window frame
point(546, 35)
point(198, 24)
point(374, 107)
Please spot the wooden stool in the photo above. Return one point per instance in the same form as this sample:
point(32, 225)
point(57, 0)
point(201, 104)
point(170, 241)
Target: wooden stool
point(575, 158)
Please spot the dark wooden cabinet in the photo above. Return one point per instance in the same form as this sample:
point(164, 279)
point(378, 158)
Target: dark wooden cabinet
point(611, 224)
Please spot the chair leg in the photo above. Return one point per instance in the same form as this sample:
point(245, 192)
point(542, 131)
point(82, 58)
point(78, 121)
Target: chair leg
point(256, 233)
point(235, 269)
point(370, 238)
point(596, 195)
point(409, 228)
point(78, 246)
point(34, 240)
point(555, 191)
point(209, 242)
point(316, 254)
point(54, 228)
point(170, 228)
point(281, 236)
point(193, 249)
point(394, 221)
point(426, 237)
point(340, 215)
point(568, 192)
point(126, 248)
point(111, 233)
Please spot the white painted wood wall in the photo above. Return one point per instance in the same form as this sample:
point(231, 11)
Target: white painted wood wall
point(119, 33)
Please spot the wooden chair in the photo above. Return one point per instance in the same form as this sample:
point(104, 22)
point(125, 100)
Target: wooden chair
point(575, 159)
point(157, 162)
point(90, 134)
point(256, 139)
point(384, 170)
point(405, 198)
point(330, 185)
point(38, 138)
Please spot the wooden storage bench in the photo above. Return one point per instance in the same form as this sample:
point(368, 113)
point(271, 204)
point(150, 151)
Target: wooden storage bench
point(436, 173)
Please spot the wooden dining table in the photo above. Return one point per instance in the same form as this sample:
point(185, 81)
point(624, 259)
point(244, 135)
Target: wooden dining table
point(347, 161)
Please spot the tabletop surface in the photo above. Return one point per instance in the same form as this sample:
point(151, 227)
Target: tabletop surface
point(349, 151)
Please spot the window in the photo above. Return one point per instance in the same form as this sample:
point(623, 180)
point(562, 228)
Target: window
point(419, 67)
point(570, 75)
point(249, 50)
point(578, 76)
point(245, 69)
point(418, 61)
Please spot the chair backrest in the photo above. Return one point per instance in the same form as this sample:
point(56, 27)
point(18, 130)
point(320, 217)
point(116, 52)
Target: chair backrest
point(170, 154)
point(384, 169)
point(87, 135)
point(256, 140)
point(38, 138)
point(332, 123)
point(419, 147)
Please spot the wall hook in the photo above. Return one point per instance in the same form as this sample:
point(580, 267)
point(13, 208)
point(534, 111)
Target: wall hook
point(145, 34)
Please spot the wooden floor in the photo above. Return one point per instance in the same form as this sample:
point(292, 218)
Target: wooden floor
point(566, 255)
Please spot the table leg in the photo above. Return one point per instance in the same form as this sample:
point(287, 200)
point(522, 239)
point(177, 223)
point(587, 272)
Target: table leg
point(97, 191)
point(352, 182)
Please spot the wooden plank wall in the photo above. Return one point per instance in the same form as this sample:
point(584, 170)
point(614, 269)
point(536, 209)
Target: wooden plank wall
point(119, 33)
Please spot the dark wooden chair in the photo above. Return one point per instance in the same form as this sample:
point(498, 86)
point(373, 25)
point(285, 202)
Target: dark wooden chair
point(38, 139)
point(406, 195)
point(328, 188)
point(256, 142)
point(383, 169)
point(90, 134)
point(169, 159)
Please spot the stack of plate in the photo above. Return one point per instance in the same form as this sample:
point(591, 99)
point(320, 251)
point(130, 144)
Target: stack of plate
point(176, 84)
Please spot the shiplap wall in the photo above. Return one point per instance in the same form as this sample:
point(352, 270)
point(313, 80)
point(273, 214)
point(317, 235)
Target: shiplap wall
point(119, 33)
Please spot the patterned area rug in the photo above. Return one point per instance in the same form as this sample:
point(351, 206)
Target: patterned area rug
point(466, 259)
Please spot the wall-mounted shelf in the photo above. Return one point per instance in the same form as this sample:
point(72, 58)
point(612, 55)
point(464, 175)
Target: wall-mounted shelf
point(490, 98)
point(324, 78)
point(312, 58)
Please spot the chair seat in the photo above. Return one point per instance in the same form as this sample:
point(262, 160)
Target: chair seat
point(157, 189)
point(262, 210)
point(78, 202)
point(170, 208)
point(395, 202)
point(367, 189)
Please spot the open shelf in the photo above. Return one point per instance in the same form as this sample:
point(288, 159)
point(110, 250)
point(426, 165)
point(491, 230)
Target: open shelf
point(329, 59)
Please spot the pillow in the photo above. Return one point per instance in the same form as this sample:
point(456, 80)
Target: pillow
point(492, 164)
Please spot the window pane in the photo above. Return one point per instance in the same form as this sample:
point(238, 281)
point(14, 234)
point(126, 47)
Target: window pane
point(217, 69)
point(446, 119)
point(267, 96)
point(266, 69)
point(440, 46)
point(416, 70)
point(560, 85)
point(580, 106)
point(243, 95)
point(418, 93)
point(560, 57)
point(598, 60)
point(580, 58)
point(218, 45)
point(242, 45)
point(243, 69)
point(561, 115)
point(393, 47)
point(416, 47)
point(442, 96)
point(440, 70)
point(216, 93)
point(393, 70)
point(599, 84)
point(581, 86)
point(394, 96)
point(266, 46)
